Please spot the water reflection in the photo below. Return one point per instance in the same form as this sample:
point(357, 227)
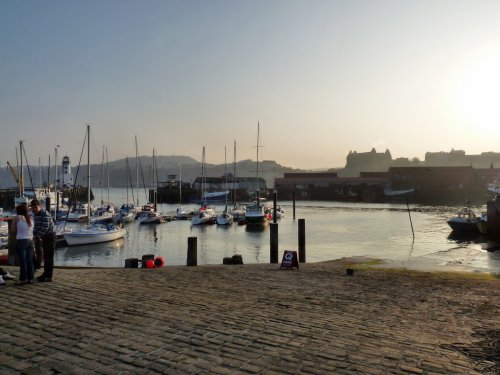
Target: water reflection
point(93, 254)
point(465, 238)
point(333, 230)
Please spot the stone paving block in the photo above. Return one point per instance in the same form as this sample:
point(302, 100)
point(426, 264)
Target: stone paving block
point(333, 323)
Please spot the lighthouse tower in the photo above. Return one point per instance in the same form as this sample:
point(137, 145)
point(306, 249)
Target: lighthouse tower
point(67, 176)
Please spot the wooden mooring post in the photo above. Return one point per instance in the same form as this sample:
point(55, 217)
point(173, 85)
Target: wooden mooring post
point(302, 240)
point(192, 252)
point(273, 255)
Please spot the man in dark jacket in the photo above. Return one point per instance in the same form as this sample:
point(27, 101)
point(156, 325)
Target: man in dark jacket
point(45, 230)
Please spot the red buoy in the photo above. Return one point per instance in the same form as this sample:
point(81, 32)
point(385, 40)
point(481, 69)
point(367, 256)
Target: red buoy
point(159, 262)
point(150, 263)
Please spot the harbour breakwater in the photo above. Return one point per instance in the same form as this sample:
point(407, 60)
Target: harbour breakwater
point(77, 194)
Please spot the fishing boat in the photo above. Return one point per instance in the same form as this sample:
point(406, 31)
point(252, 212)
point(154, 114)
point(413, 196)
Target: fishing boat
point(464, 221)
point(95, 233)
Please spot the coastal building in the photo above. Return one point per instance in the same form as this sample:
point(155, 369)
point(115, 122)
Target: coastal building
point(367, 187)
point(372, 161)
point(428, 185)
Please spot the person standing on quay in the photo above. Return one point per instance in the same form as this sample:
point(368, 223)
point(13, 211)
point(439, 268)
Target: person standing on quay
point(23, 227)
point(44, 228)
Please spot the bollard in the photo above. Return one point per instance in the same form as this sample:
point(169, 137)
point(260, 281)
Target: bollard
point(302, 240)
point(192, 253)
point(273, 256)
point(132, 263)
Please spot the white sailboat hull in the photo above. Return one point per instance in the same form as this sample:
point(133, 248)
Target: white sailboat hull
point(94, 234)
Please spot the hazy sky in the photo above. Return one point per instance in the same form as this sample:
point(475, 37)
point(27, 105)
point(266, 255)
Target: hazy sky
point(321, 77)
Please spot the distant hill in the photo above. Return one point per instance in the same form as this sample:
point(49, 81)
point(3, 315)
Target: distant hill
point(177, 165)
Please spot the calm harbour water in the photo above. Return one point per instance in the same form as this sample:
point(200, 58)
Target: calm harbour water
point(333, 230)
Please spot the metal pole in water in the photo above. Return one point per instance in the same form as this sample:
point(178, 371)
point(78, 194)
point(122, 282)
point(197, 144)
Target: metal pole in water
point(293, 199)
point(408, 207)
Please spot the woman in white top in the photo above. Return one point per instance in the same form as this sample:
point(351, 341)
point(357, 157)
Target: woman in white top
point(23, 227)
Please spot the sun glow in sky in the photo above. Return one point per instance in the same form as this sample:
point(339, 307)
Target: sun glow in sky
point(321, 76)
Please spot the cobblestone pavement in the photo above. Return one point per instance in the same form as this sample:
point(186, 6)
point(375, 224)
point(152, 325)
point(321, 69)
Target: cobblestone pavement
point(250, 319)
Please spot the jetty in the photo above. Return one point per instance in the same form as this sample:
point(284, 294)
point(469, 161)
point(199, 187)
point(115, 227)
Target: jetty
point(252, 319)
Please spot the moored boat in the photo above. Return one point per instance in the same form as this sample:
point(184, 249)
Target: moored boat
point(204, 215)
point(80, 213)
point(255, 215)
point(126, 214)
point(224, 218)
point(94, 234)
point(465, 221)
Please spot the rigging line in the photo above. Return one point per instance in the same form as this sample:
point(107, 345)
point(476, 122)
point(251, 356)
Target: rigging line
point(130, 179)
point(143, 181)
point(28, 167)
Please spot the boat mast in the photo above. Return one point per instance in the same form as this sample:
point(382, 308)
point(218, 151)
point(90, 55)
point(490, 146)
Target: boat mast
point(180, 187)
point(40, 174)
point(225, 175)
point(234, 174)
point(203, 176)
point(55, 168)
point(88, 174)
point(137, 169)
point(153, 179)
point(107, 171)
point(258, 187)
point(102, 176)
point(21, 174)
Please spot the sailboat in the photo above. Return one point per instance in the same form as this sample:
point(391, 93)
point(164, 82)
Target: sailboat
point(238, 211)
point(107, 212)
point(95, 233)
point(181, 213)
point(225, 218)
point(255, 211)
point(205, 214)
point(149, 214)
point(127, 211)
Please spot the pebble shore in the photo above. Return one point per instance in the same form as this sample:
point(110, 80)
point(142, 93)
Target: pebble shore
point(251, 319)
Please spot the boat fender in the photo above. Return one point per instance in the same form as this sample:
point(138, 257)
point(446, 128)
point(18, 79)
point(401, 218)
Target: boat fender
point(159, 262)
